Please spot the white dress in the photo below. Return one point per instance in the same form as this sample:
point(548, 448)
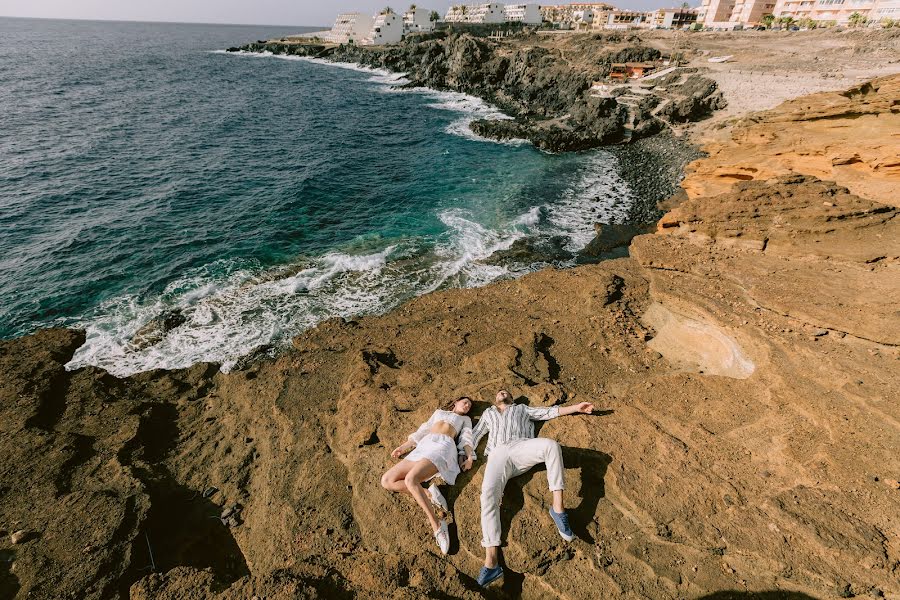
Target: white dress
point(441, 450)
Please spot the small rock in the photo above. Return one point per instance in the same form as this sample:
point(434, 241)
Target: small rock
point(208, 492)
point(892, 483)
point(227, 513)
point(19, 536)
point(820, 332)
point(844, 591)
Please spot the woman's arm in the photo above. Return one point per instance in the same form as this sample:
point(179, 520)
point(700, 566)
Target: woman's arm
point(414, 438)
point(403, 448)
point(465, 445)
point(466, 460)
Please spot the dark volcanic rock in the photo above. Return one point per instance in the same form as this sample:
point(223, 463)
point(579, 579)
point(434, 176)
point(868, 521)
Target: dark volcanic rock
point(611, 236)
point(541, 88)
point(156, 329)
point(532, 250)
point(696, 98)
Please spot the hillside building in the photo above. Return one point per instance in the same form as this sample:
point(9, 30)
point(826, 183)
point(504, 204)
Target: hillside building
point(417, 20)
point(475, 13)
point(350, 28)
point(673, 18)
point(530, 14)
point(564, 15)
point(731, 14)
point(387, 28)
point(627, 19)
point(838, 12)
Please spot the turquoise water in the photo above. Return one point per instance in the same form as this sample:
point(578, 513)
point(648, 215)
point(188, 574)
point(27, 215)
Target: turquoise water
point(143, 171)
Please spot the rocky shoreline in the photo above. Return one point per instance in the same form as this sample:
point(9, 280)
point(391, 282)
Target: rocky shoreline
point(550, 100)
point(546, 91)
point(744, 358)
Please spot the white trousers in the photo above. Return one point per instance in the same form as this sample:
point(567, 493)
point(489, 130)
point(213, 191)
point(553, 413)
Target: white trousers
point(511, 460)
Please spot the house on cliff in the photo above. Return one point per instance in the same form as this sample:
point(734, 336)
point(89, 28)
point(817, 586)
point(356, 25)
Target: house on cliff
point(492, 12)
point(417, 20)
point(387, 28)
point(350, 28)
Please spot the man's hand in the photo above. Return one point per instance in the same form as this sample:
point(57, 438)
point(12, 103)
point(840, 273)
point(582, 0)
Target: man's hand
point(584, 407)
point(401, 450)
point(465, 463)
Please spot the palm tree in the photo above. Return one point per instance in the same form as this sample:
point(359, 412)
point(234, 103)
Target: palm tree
point(768, 20)
point(386, 10)
point(856, 20)
point(435, 16)
point(787, 21)
point(412, 7)
point(685, 5)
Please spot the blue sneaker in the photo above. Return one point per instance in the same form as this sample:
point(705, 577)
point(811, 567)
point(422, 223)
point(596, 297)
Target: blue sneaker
point(488, 576)
point(562, 525)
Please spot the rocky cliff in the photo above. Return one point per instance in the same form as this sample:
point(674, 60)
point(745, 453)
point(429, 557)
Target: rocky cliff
point(744, 362)
point(545, 87)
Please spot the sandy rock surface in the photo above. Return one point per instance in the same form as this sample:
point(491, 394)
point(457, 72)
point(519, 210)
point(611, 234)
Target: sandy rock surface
point(851, 137)
point(744, 362)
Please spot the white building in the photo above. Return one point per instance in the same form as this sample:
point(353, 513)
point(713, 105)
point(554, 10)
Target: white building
point(386, 29)
point(417, 20)
point(582, 19)
point(350, 28)
point(627, 19)
point(475, 13)
point(530, 14)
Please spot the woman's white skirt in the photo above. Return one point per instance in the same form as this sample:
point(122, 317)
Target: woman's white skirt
point(441, 451)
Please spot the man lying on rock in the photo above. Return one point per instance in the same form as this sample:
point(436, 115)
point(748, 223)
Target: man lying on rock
point(512, 450)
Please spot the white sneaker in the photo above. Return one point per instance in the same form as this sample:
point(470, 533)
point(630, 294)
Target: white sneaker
point(442, 536)
point(437, 498)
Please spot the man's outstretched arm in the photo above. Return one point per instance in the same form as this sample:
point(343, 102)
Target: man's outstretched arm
point(582, 407)
point(545, 413)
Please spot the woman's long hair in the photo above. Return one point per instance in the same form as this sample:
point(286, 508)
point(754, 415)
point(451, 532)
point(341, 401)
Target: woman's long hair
point(449, 404)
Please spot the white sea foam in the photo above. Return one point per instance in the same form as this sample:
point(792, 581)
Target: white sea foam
point(228, 316)
point(599, 194)
point(232, 309)
point(469, 107)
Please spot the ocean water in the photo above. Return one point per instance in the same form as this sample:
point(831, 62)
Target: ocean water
point(143, 171)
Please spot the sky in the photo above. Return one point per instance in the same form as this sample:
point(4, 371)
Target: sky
point(255, 12)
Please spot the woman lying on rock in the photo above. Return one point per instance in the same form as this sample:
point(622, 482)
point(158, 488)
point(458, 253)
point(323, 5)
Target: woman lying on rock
point(434, 452)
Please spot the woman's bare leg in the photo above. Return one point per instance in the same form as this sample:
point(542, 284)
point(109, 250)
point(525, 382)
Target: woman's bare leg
point(394, 478)
point(421, 471)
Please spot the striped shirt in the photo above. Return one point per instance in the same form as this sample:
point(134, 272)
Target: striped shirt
point(516, 422)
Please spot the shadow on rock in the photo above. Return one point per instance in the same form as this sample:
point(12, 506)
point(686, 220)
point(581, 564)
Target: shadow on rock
point(593, 465)
point(770, 595)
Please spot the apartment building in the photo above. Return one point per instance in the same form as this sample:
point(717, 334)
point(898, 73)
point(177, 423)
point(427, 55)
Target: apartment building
point(673, 18)
point(838, 12)
point(566, 15)
point(729, 14)
point(627, 19)
point(417, 20)
point(350, 28)
point(476, 13)
point(530, 14)
point(387, 28)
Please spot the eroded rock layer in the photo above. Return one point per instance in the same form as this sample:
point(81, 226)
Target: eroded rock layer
point(851, 137)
